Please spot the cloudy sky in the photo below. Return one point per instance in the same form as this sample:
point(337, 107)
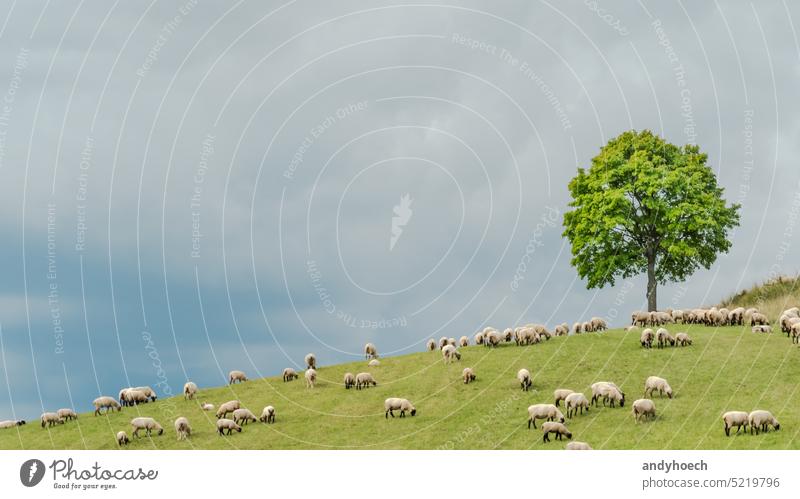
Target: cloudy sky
point(192, 187)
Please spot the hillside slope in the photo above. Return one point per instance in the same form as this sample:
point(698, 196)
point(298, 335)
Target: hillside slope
point(771, 297)
point(726, 369)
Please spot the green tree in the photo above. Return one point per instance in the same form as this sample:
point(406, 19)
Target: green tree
point(646, 205)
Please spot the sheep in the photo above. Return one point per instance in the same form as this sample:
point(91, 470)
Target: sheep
point(11, 423)
point(587, 327)
point(683, 339)
point(792, 312)
point(450, 354)
point(122, 438)
point(370, 352)
point(349, 381)
point(398, 404)
point(67, 414)
point(664, 338)
point(492, 339)
point(121, 396)
point(135, 397)
point(677, 316)
point(761, 329)
point(374, 363)
point(227, 407)
point(714, 318)
point(578, 446)
point(646, 338)
point(561, 394)
point(267, 415)
point(182, 428)
point(463, 341)
point(442, 342)
point(654, 383)
point(560, 330)
point(761, 421)
point(786, 322)
point(577, 328)
point(311, 361)
point(735, 418)
point(544, 333)
point(479, 338)
point(51, 419)
point(468, 375)
point(189, 390)
point(147, 424)
point(795, 332)
point(207, 407)
point(575, 401)
point(608, 392)
point(227, 424)
point(524, 378)
point(750, 311)
point(758, 319)
point(736, 316)
point(289, 374)
point(553, 427)
point(236, 376)
point(640, 318)
point(451, 341)
point(543, 411)
point(311, 378)
point(643, 408)
point(431, 345)
point(364, 380)
point(105, 402)
point(508, 335)
point(598, 324)
point(243, 416)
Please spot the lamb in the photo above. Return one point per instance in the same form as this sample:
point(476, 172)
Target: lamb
point(243, 416)
point(468, 375)
point(311, 361)
point(182, 428)
point(370, 352)
point(51, 419)
point(364, 380)
point(289, 374)
point(578, 446)
point(107, 403)
point(398, 404)
point(758, 319)
point(561, 394)
point(374, 363)
point(735, 418)
point(267, 415)
point(189, 390)
point(664, 338)
point(227, 424)
point(543, 411)
point(11, 423)
point(524, 377)
point(349, 381)
point(67, 414)
point(575, 401)
point(761, 329)
point(463, 341)
point(450, 354)
point(643, 408)
point(227, 407)
point(148, 424)
point(646, 338)
point(207, 407)
point(654, 383)
point(236, 376)
point(311, 377)
point(761, 421)
point(122, 438)
point(683, 339)
point(608, 391)
point(431, 345)
point(553, 427)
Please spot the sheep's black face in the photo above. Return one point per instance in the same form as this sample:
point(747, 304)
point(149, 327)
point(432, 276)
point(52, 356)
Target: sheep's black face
point(777, 426)
point(22, 422)
point(239, 430)
point(561, 420)
point(161, 431)
point(414, 413)
point(569, 435)
point(622, 402)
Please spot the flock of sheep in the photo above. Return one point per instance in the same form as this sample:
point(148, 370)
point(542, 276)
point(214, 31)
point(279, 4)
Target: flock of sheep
point(231, 416)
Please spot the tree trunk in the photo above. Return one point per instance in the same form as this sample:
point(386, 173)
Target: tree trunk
point(651, 282)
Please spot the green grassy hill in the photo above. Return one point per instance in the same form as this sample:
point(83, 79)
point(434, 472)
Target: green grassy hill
point(771, 297)
point(726, 369)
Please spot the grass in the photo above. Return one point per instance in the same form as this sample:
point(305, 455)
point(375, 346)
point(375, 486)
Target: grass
point(727, 368)
point(771, 297)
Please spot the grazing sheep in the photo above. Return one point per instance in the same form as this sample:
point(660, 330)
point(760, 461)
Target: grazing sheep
point(311, 377)
point(135, 397)
point(374, 363)
point(431, 345)
point(561, 394)
point(524, 378)
point(107, 403)
point(189, 390)
point(508, 335)
point(442, 342)
point(364, 380)
point(450, 354)
point(736, 316)
point(122, 438)
point(227, 424)
point(553, 427)
point(479, 338)
point(468, 375)
point(758, 319)
point(207, 407)
point(677, 316)
point(683, 339)
point(577, 328)
point(578, 446)
point(149, 392)
point(608, 392)
point(147, 424)
point(761, 421)
point(51, 419)
point(67, 414)
point(574, 402)
point(654, 383)
point(311, 361)
point(121, 396)
point(792, 312)
point(243, 416)
point(267, 415)
point(735, 418)
point(289, 374)
point(349, 381)
point(646, 338)
point(795, 332)
point(451, 341)
point(398, 404)
point(11, 423)
point(640, 318)
point(548, 412)
point(598, 324)
point(370, 352)
point(228, 407)
point(235, 376)
point(643, 408)
point(761, 329)
point(664, 338)
point(492, 339)
point(182, 428)
point(587, 327)
point(560, 330)
point(463, 341)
